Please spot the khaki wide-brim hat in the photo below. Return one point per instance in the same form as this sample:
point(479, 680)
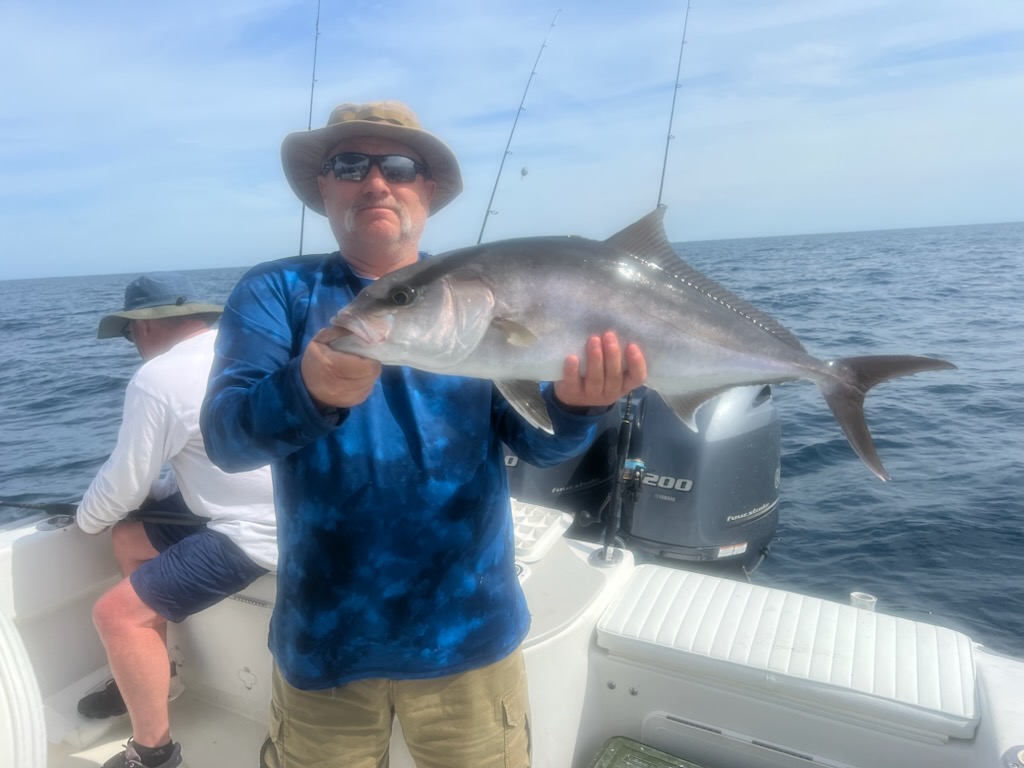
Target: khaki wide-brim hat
point(303, 153)
point(156, 296)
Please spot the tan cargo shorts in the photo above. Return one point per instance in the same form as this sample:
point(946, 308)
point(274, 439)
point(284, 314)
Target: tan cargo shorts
point(476, 719)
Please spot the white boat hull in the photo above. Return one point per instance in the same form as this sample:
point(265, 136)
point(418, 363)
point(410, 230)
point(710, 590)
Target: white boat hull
point(720, 673)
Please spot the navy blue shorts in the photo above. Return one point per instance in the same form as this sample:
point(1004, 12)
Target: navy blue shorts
point(195, 569)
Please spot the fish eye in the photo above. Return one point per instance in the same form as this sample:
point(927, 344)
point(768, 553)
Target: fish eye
point(402, 295)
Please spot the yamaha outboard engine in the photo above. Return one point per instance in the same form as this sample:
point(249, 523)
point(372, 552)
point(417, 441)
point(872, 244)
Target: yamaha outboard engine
point(708, 497)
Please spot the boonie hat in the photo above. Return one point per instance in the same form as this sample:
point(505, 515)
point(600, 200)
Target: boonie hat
point(153, 297)
point(303, 152)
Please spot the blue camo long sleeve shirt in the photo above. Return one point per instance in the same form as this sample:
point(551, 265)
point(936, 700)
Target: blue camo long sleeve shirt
point(394, 527)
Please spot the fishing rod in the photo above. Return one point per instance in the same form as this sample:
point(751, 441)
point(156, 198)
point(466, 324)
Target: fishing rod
point(54, 508)
point(672, 112)
point(68, 509)
point(621, 484)
point(309, 126)
point(515, 122)
point(629, 473)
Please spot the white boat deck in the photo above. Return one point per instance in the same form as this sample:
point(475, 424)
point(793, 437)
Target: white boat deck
point(214, 737)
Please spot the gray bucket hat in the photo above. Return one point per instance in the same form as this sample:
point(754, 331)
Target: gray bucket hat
point(303, 153)
point(153, 297)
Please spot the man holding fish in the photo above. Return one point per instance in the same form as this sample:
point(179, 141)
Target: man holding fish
point(397, 589)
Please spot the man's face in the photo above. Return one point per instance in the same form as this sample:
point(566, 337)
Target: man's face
point(375, 212)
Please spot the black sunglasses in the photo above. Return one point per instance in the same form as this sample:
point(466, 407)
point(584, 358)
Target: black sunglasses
point(354, 166)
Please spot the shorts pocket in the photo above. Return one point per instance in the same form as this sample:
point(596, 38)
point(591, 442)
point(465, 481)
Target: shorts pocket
point(515, 709)
point(270, 752)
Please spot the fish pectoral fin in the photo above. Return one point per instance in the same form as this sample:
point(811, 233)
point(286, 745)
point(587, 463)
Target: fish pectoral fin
point(528, 402)
point(685, 406)
point(515, 334)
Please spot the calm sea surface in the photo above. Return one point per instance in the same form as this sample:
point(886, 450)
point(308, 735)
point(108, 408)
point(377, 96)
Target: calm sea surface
point(944, 540)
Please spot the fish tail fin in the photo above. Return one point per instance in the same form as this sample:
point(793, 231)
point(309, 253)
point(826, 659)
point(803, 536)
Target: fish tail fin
point(845, 393)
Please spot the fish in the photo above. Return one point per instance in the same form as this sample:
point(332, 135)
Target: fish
point(512, 310)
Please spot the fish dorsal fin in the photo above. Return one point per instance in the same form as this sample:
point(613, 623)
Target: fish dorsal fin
point(646, 240)
point(528, 402)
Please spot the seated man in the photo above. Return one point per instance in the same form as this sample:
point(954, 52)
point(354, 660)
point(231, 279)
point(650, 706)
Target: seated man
point(226, 540)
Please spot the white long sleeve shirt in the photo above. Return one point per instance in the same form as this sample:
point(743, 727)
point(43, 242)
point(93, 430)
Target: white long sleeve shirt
point(160, 426)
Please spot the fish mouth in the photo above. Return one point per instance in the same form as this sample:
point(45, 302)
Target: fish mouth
point(369, 331)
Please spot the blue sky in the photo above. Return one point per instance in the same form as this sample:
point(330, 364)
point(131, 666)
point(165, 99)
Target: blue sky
point(144, 136)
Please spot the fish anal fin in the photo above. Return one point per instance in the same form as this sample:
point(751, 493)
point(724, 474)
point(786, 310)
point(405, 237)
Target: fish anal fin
point(515, 334)
point(526, 399)
point(685, 406)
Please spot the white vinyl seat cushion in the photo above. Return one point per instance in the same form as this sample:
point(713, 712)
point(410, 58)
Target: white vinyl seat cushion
point(808, 651)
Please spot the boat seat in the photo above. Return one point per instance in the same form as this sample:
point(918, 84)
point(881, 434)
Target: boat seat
point(802, 651)
point(263, 591)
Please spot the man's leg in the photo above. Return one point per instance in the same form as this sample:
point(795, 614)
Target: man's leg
point(131, 546)
point(345, 727)
point(133, 635)
point(195, 568)
point(476, 719)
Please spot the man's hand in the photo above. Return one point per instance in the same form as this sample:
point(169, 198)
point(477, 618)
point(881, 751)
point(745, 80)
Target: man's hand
point(610, 375)
point(336, 379)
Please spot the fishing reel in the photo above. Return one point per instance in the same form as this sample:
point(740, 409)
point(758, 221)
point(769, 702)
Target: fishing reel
point(633, 473)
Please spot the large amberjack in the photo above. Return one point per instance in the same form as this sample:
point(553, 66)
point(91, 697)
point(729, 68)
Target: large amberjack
point(511, 311)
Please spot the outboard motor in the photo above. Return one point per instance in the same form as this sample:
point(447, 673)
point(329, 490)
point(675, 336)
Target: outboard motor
point(708, 497)
point(581, 486)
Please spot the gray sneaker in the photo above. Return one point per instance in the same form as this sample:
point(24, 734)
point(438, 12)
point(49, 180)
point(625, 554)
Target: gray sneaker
point(130, 759)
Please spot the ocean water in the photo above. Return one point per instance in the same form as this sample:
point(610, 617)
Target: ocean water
point(944, 540)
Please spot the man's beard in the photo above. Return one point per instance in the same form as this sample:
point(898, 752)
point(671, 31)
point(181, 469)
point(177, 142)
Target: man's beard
point(405, 228)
